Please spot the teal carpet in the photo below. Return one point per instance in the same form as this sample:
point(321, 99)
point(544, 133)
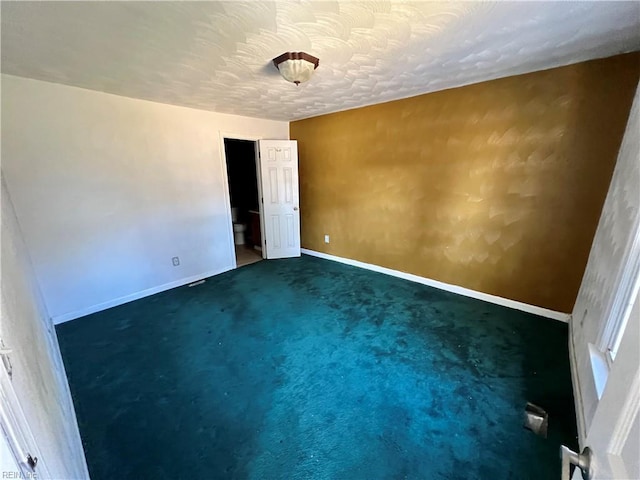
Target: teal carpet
point(309, 369)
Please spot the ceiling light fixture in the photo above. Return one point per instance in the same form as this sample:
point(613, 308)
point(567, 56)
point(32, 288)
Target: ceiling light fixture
point(296, 67)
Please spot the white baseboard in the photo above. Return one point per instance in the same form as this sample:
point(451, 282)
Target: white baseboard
point(135, 296)
point(467, 292)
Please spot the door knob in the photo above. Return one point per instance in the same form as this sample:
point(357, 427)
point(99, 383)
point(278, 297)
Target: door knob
point(580, 460)
point(295, 209)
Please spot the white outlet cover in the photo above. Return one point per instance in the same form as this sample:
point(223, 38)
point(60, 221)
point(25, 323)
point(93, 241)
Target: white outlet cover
point(326, 239)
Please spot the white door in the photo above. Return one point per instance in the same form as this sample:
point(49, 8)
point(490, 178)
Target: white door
point(605, 326)
point(17, 443)
point(614, 432)
point(280, 198)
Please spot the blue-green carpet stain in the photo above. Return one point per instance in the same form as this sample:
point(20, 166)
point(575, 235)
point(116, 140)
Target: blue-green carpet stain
point(309, 369)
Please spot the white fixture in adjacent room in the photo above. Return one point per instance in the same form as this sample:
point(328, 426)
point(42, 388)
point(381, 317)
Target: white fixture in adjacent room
point(238, 228)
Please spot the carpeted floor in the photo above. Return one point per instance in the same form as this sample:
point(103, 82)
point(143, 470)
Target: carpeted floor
point(308, 369)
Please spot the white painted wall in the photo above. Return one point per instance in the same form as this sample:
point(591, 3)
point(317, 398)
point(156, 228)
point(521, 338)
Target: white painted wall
point(39, 380)
point(108, 189)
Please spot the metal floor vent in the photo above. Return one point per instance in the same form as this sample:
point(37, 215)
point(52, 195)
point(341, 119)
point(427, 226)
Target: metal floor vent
point(536, 419)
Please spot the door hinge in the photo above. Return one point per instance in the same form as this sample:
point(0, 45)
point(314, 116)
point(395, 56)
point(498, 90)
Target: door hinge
point(32, 461)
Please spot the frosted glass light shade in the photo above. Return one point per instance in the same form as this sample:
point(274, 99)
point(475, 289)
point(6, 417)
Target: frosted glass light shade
point(296, 67)
point(296, 71)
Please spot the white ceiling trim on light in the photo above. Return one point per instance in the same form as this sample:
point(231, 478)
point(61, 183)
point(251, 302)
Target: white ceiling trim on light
point(217, 55)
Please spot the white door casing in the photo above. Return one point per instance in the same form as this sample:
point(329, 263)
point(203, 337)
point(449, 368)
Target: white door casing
point(280, 198)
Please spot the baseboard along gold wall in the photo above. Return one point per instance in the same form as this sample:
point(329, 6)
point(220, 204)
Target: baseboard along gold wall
point(496, 186)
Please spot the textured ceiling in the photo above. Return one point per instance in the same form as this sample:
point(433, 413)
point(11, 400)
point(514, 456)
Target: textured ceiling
point(217, 55)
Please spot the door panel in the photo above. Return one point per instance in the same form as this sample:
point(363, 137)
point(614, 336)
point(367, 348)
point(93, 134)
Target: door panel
point(280, 197)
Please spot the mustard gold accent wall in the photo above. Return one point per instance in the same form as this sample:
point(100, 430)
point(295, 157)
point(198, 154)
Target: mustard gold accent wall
point(496, 186)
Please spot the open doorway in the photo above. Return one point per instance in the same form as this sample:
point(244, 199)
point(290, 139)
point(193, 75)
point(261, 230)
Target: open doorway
point(243, 194)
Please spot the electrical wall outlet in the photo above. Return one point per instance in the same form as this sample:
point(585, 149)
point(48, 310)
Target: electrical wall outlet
point(326, 239)
point(175, 261)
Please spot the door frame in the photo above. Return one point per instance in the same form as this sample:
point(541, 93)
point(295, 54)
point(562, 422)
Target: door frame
point(227, 193)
